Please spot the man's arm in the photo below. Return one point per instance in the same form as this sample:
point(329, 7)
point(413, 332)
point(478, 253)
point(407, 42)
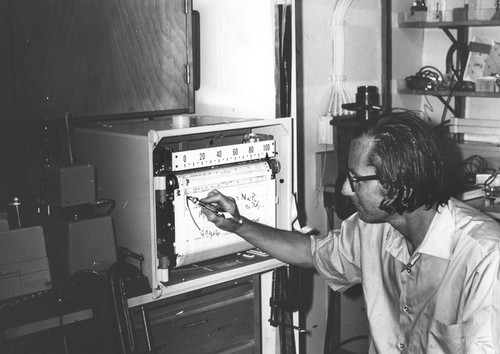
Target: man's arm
point(287, 246)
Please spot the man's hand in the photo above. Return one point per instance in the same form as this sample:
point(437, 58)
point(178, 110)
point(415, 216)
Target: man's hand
point(225, 204)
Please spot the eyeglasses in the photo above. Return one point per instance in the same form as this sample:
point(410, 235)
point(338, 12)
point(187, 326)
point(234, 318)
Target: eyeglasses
point(357, 179)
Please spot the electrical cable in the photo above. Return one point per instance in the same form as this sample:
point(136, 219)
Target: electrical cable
point(456, 77)
point(445, 109)
point(489, 192)
point(191, 213)
point(118, 275)
point(110, 202)
point(433, 76)
point(323, 171)
point(474, 165)
point(428, 108)
point(68, 136)
point(427, 78)
point(457, 74)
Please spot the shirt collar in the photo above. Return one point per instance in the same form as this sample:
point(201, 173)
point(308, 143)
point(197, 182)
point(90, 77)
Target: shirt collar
point(437, 241)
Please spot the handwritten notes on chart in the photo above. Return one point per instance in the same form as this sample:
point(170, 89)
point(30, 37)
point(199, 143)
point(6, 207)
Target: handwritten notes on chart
point(196, 238)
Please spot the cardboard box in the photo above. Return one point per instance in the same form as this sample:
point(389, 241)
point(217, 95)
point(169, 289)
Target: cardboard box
point(24, 266)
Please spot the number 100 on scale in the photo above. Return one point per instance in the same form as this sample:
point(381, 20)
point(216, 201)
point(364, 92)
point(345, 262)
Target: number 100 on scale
point(221, 155)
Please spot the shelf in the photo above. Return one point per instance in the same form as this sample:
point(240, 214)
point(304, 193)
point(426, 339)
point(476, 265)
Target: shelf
point(401, 85)
point(447, 93)
point(477, 18)
point(450, 24)
point(474, 146)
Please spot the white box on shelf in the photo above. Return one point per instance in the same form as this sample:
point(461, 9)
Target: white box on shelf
point(481, 9)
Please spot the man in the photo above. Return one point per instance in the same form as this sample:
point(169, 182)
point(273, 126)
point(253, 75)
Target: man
point(429, 264)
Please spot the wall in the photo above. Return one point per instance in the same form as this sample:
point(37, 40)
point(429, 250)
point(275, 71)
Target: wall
point(242, 32)
point(363, 65)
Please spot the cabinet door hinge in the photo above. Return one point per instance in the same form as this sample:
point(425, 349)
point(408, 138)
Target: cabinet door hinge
point(188, 74)
point(186, 6)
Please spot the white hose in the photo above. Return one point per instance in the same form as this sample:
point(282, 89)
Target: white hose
point(339, 94)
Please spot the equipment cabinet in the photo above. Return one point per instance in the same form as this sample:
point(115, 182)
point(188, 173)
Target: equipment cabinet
point(94, 58)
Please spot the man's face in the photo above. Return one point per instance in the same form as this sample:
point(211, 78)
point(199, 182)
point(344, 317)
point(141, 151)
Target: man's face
point(368, 194)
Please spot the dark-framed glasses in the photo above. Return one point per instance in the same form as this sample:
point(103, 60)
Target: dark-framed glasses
point(357, 179)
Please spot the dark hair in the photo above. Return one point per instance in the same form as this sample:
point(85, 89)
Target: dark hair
point(407, 159)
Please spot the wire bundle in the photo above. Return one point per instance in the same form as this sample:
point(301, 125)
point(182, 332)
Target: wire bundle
point(474, 165)
point(339, 93)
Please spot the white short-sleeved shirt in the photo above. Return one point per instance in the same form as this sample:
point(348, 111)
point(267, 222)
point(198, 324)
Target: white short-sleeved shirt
point(445, 298)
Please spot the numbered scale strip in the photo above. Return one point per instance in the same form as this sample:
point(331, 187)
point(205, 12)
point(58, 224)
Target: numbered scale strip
point(221, 155)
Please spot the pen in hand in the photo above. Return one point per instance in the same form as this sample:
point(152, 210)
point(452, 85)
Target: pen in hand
point(210, 207)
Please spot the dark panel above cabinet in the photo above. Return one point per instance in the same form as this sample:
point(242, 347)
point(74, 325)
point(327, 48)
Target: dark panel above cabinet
point(6, 81)
point(101, 57)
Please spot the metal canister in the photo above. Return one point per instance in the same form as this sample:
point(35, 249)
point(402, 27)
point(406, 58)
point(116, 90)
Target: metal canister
point(14, 213)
